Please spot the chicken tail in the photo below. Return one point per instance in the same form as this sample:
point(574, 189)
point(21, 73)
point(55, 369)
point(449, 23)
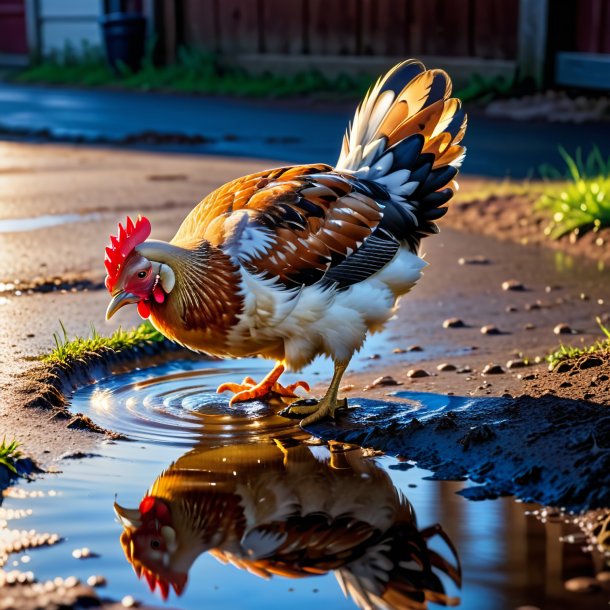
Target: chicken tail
point(401, 572)
point(405, 137)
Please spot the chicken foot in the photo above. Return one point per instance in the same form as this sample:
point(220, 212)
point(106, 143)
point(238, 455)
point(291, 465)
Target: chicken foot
point(326, 406)
point(249, 389)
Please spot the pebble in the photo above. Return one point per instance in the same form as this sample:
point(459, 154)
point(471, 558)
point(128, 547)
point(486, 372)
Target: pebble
point(129, 602)
point(398, 350)
point(464, 369)
point(563, 329)
point(519, 363)
point(490, 329)
point(511, 309)
point(386, 380)
point(582, 584)
point(445, 367)
point(474, 260)
point(512, 285)
point(97, 580)
point(375, 357)
point(416, 373)
point(84, 553)
point(529, 326)
point(453, 323)
point(584, 296)
point(347, 387)
point(415, 348)
point(533, 306)
point(493, 369)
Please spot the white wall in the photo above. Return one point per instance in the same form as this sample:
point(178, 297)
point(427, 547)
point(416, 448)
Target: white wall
point(72, 22)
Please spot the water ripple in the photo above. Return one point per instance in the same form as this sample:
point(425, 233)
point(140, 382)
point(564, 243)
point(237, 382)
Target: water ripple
point(176, 403)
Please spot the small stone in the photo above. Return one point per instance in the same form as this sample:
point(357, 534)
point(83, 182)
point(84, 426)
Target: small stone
point(533, 306)
point(415, 348)
point(398, 350)
point(474, 260)
point(562, 329)
point(129, 602)
point(463, 369)
point(453, 323)
point(582, 584)
point(97, 580)
point(584, 296)
point(375, 357)
point(528, 377)
point(511, 309)
point(417, 373)
point(565, 384)
point(529, 326)
point(493, 369)
point(490, 329)
point(518, 363)
point(512, 285)
point(445, 367)
point(386, 380)
point(348, 387)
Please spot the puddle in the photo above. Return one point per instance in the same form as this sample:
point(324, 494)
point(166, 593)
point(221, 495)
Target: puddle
point(214, 486)
point(20, 225)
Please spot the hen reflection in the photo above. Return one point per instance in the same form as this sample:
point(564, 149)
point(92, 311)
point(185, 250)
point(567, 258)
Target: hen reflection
point(290, 510)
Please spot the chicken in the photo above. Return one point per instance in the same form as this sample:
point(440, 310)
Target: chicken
point(278, 509)
point(299, 261)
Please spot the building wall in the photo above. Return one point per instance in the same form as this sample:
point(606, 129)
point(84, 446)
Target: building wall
point(64, 23)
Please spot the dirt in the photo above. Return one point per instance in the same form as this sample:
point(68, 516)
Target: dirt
point(512, 217)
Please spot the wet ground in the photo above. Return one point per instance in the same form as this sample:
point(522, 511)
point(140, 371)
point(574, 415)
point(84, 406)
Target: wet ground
point(299, 131)
point(201, 462)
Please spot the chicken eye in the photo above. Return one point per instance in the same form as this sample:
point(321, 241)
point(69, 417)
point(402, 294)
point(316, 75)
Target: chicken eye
point(142, 274)
point(155, 544)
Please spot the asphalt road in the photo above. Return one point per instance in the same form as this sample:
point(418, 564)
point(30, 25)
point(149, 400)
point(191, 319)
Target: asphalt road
point(296, 131)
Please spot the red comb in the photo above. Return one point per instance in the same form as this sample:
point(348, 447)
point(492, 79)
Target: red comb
point(122, 245)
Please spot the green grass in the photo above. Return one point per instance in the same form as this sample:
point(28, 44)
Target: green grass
point(68, 351)
point(193, 72)
point(569, 352)
point(581, 205)
point(9, 454)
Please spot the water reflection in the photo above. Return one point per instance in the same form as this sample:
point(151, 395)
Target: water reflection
point(284, 508)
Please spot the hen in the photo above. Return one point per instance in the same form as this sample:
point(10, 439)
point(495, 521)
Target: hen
point(299, 261)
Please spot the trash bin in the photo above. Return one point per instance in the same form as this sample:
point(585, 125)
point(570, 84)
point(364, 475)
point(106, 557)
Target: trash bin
point(125, 38)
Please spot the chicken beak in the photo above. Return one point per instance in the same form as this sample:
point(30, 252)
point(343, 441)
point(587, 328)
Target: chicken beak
point(119, 300)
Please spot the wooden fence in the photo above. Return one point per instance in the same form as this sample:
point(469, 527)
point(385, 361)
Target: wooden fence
point(486, 29)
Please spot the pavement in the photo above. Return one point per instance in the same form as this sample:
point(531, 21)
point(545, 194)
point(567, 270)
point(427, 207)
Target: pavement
point(297, 131)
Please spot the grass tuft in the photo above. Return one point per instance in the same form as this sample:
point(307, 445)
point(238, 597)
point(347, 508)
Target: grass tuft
point(9, 454)
point(583, 204)
point(67, 351)
point(569, 352)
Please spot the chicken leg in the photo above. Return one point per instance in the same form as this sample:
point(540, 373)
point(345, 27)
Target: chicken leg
point(249, 389)
point(325, 406)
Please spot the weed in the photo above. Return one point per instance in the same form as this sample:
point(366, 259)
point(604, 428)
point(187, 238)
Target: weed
point(68, 350)
point(583, 204)
point(569, 352)
point(9, 454)
point(195, 71)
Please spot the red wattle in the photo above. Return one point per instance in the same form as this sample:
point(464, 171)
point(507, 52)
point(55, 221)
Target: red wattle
point(143, 309)
point(158, 294)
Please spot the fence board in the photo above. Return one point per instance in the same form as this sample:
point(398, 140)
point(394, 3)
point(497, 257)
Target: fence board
point(384, 27)
point(333, 27)
point(239, 26)
point(201, 27)
point(283, 27)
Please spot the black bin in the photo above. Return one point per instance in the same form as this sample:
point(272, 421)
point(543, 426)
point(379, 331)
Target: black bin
point(125, 38)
